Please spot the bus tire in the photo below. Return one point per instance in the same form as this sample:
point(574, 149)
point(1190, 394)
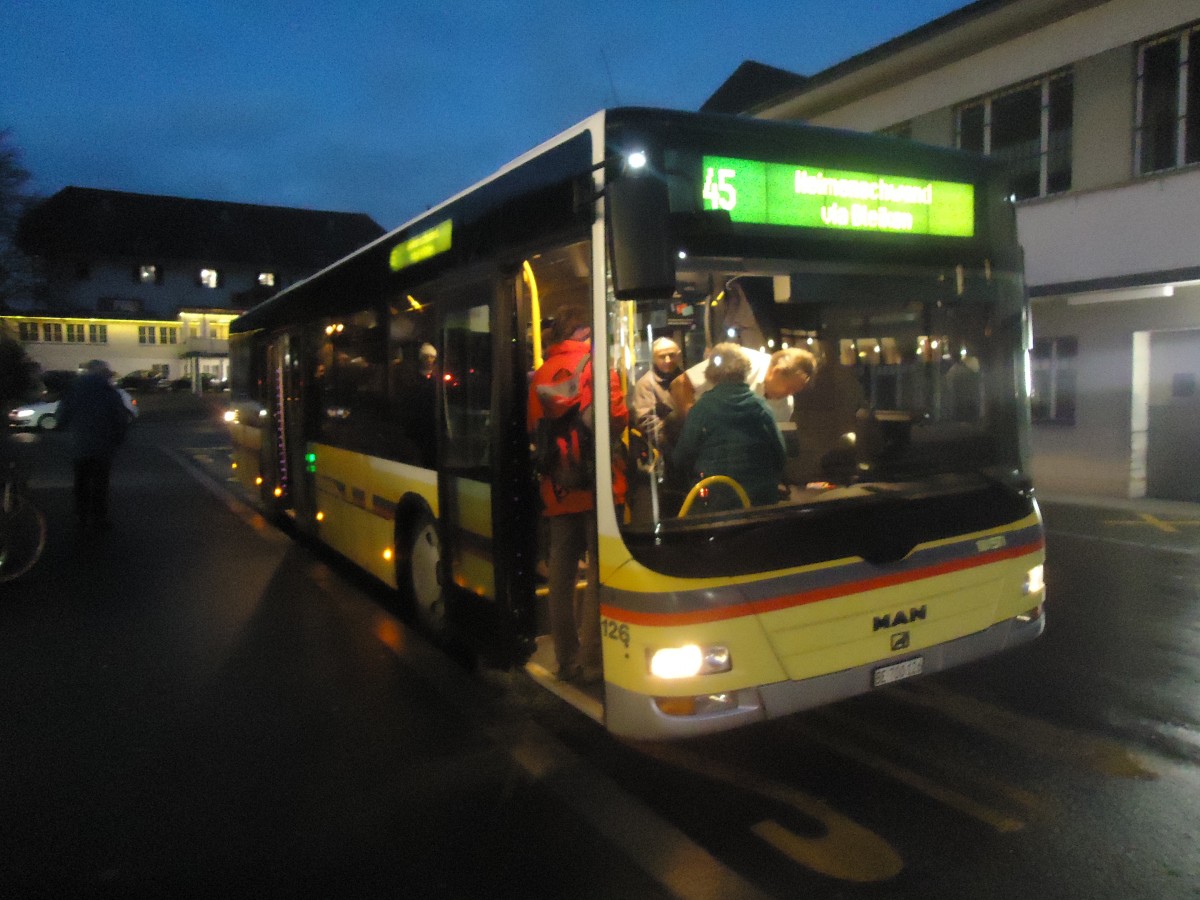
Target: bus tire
point(422, 575)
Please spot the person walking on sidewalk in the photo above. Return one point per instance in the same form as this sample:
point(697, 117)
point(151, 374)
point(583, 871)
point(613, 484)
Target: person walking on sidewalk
point(94, 414)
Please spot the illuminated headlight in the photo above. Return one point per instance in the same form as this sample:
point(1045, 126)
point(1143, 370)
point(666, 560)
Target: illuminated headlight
point(1034, 581)
point(689, 661)
point(231, 415)
point(21, 414)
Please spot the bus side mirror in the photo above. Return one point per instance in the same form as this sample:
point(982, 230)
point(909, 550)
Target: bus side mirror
point(639, 238)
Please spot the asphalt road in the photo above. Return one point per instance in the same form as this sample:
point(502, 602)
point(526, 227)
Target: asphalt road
point(197, 706)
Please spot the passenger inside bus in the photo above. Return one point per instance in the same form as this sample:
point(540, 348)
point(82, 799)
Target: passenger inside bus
point(825, 413)
point(731, 432)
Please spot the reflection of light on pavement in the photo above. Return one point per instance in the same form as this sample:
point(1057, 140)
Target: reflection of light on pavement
point(390, 634)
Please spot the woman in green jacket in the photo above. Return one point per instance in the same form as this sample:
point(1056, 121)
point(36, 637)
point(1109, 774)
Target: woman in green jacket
point(731, 431)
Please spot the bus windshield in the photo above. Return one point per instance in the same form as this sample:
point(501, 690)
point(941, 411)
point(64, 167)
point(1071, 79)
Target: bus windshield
point(881, 381)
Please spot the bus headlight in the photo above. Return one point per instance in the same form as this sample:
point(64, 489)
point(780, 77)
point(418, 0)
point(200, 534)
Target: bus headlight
point(1034, 580)
point(689, 661)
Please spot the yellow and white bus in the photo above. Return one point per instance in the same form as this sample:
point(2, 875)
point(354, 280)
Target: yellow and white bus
point(381, 409)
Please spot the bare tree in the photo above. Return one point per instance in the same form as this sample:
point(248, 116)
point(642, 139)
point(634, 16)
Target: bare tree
point(18, 274)
point(18, 277)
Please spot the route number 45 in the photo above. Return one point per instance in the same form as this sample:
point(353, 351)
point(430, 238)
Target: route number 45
point(718, 188)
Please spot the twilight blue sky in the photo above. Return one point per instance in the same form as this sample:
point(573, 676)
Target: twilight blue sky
point(377, 107)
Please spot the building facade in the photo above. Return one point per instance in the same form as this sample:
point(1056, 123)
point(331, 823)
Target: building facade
point(1095, 109)
point(150, 283)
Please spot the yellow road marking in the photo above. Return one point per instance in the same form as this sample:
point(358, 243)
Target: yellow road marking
point(1000, 820)
point(847, 850)
point(1095, 753)
point(1165, 525)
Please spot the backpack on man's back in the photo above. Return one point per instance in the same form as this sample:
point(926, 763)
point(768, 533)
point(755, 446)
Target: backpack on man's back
point(564, 439)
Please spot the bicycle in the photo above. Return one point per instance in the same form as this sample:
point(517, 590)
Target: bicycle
point(22, 527)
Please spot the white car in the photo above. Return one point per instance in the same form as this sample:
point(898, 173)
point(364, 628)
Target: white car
point(43, 414)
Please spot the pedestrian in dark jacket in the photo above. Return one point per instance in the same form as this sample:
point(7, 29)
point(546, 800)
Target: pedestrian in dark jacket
point(731, 431)
point(95, 416)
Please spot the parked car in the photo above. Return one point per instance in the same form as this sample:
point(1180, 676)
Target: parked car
point(40, 414)
point(143, 380)
point(43, 414)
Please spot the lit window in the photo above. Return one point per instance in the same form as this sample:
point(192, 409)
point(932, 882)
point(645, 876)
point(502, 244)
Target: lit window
point(146, 334)
point(266, 279)
point(98, 334)
point(1168, 102)
point(28, 331)
point(210, 278)
point(168, 334)
point(1028, 128)
point(76, 334)
point(149, 275)
point(52, 331)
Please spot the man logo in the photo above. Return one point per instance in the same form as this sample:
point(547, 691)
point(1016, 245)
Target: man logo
point(900, 641)
point(915, 614)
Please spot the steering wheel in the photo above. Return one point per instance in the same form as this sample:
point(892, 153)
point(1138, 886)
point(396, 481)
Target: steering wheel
point(705, 482)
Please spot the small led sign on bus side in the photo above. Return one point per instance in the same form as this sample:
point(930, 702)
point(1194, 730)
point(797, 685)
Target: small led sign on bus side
point(421, 247)
point(816, 197)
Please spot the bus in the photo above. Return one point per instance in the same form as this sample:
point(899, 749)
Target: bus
point(380, 409)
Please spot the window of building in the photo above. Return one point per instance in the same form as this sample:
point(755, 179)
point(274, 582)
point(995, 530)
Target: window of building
point(28, 331)
point(210, 278)
point(146, 334)
point(52, 332)
point(1054, 378)
point(168, 334)
point(98, 334)
point(266, 279)
point(1028, 128)
point(148, 274)
point(1168, 102)
point(76, 334)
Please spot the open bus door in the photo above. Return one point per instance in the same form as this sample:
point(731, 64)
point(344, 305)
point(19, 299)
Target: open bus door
point(287, 482)
point(483, 482)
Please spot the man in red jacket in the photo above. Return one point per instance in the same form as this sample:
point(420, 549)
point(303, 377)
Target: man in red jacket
point(570, 512)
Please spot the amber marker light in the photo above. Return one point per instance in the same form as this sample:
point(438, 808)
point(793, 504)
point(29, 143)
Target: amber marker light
point(387, 554)
point(320, 516)
point(278, 492)
point(258, 480)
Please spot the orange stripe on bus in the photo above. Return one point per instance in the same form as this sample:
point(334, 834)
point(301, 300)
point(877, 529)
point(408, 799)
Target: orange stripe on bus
point(700, 616)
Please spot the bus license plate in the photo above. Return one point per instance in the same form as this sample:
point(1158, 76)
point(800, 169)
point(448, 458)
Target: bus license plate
point(899, 671)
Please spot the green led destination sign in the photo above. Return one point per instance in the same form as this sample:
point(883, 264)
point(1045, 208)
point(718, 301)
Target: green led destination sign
point(803, 196)
point(420, 247)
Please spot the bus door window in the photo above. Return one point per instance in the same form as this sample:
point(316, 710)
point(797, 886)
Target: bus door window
point(466, 405)
point(414, 370)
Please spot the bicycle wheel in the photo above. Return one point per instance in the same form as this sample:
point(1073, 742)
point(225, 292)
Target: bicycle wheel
point(22, 540)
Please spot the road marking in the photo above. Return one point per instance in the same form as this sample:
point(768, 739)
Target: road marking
point(663, 852)
point(1098, 754)
point(1165, 525)
point(847, 850)
point(1002, 821)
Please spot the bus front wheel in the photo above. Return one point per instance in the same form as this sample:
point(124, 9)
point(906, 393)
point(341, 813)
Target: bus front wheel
point(422, 578)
